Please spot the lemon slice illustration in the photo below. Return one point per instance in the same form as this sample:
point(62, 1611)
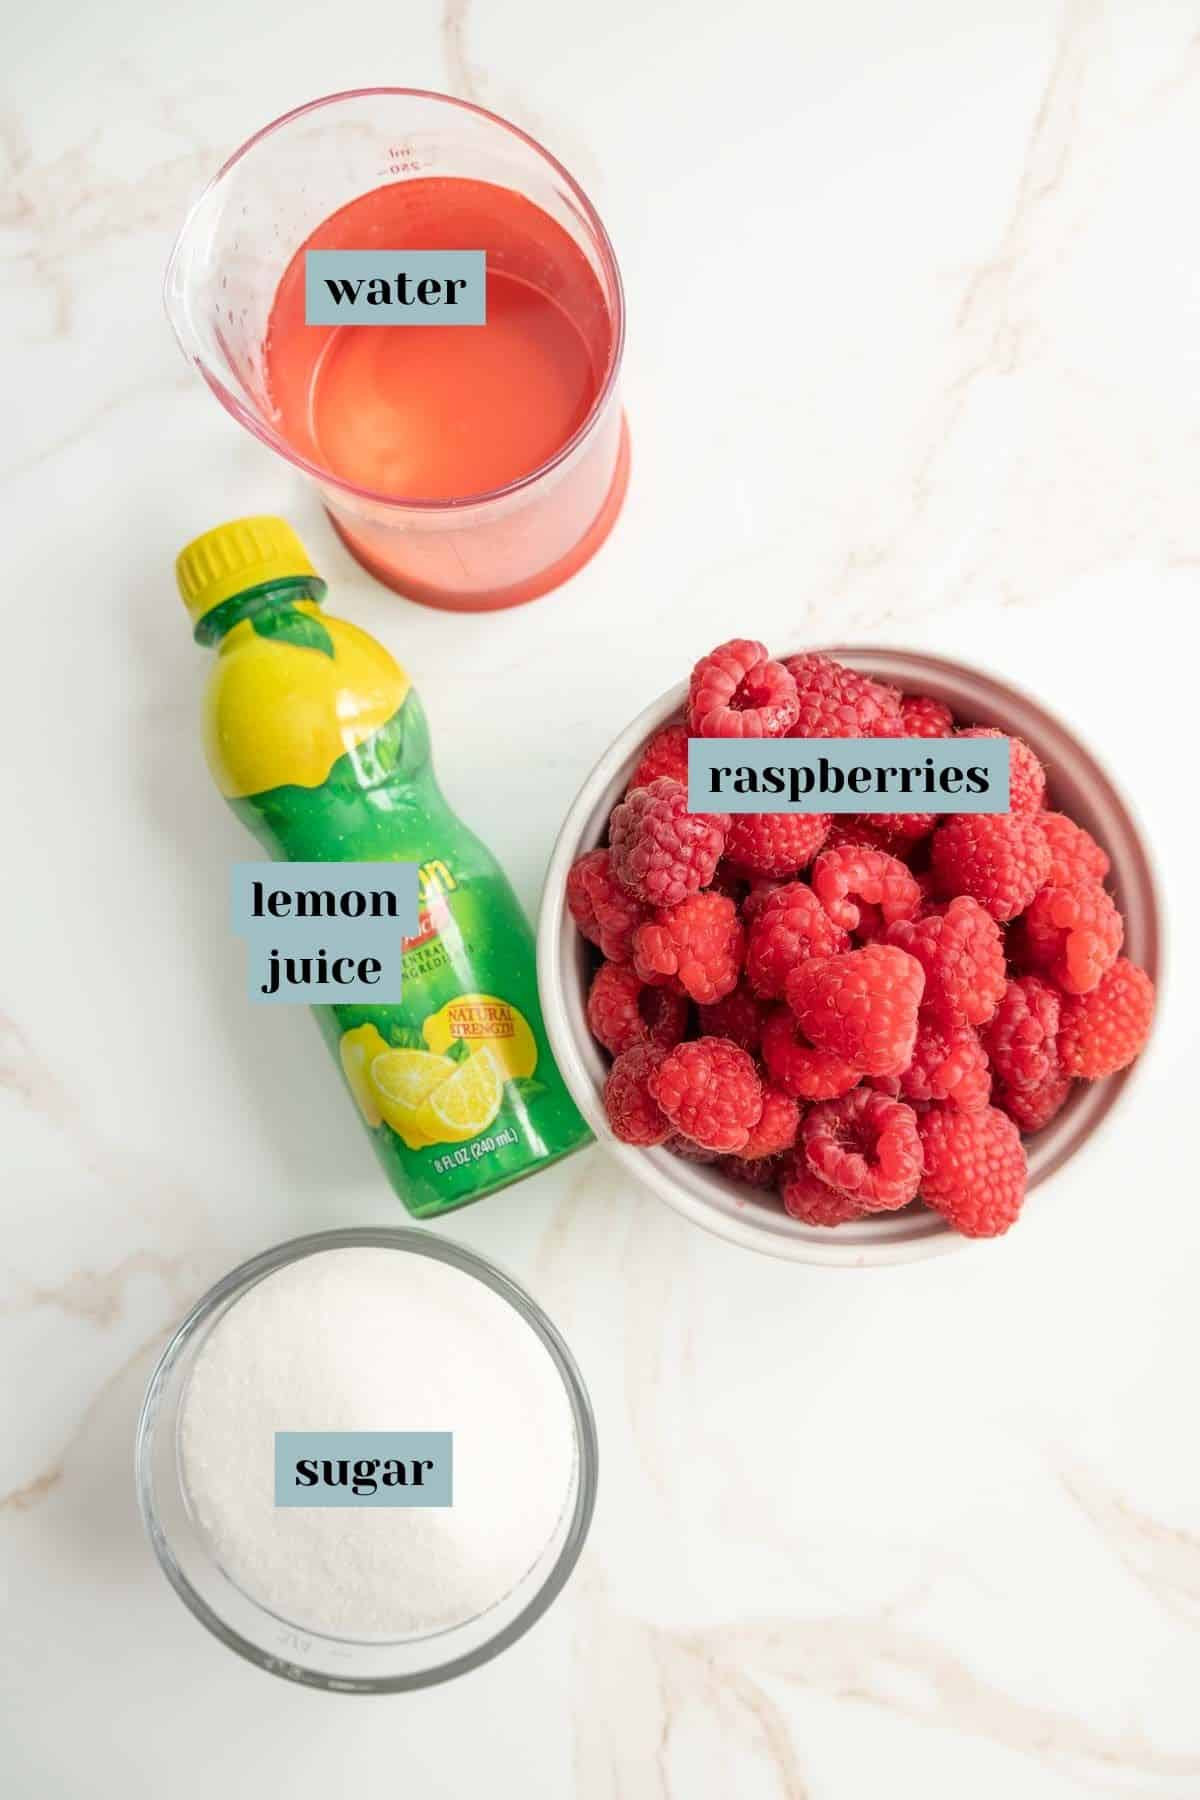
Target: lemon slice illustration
point(358, 1049)
point(484, 1022)
point(465, 1105)
point(401, 1079)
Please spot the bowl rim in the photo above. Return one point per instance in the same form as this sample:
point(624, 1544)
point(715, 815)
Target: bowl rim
point(679, 1184)
point(231, 1287)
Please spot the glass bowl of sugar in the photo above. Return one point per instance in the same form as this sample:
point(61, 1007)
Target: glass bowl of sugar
point(366, 1460)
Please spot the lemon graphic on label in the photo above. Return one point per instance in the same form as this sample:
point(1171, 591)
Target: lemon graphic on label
point(401, 1079)
point(483, 1022)
point(281, 708)
point(466, 1104)
point(358, 1050)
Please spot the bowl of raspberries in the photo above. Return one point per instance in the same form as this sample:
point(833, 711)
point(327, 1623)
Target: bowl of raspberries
point(847, 1038)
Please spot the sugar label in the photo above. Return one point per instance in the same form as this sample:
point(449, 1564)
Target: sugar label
point(364, 1468)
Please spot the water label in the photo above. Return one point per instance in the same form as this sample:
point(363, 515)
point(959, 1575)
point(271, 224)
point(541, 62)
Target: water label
point(331, 932)
point(364, 1468)
point(848, 775)
point(395, 287)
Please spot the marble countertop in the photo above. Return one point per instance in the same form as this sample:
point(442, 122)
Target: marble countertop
point(932, 1530)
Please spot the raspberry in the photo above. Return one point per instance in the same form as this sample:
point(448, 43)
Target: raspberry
point(873, 875)
point(775, 843)
point(665, 754)
point(1030, 1108)
point(660, 851)
point(760, 892)
point(961, 951)
point(865, 1145)
point(1073, 934)
point(1026, 776)
point(762, 1172)
point(632, 1110)
point(974, 1168)
point(1021, 1040)
point(949, 1063)
point(738, 1017)
point(1102, 1031)
point(999, 859)
point(622, 1011)
point(710, 1091)
point(811, 1200)
point(1074, 852)
point(701, 942)
point(838, 702)
point(898, 832)
point(861, 1007)
point(777, 1126)
point(736, 691)
point(924, 717)
point(852, 829)
point(788, 926)
point(795, 1066)
point(686, 1151)
point(600, 907)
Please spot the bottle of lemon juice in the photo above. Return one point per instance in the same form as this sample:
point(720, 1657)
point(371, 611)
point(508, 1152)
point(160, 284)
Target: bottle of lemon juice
point(317, 740)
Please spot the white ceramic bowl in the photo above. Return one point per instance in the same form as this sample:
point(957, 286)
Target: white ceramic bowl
point(1078, 786)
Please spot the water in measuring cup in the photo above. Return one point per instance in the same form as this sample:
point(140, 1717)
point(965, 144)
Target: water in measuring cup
point(441, 412)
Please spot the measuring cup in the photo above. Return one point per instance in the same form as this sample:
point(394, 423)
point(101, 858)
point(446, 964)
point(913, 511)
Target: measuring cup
point(471, 552)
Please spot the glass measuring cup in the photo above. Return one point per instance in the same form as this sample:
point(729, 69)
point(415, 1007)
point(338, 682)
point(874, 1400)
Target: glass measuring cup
point(284, 189)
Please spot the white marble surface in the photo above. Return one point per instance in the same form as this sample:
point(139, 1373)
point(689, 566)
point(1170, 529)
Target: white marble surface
point(927, 1531)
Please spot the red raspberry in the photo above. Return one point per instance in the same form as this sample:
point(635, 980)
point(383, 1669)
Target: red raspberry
point(999, 859)
point(760, 892)
point(666, 753)
point(701, 942)
point(762, 1173)
point(777, 1126)
point(812, 1201)
point(865, 1145)
point(775, 843)
point(1030, 1108)
point(623, 1011)
point(1021, 1040)
point(852, 829)
point(861, 1007)
point(738, 1017)
point(788, 926)
point(873, 875)
point(795, 1066)
point(1102, 1031)
point(686, 1151)
point(949, 1063)
point(1026, 776)
point(736, 691)
point(600, 907)
point(1073, 934)
point(807, 1198)
point(838, 702)
point(961, 951)
point(900, 832)
point(632, 1110)
point(974, 1168)
point(710, 1091)
point(924, 717)
point(1074, 852)
point(660, 851)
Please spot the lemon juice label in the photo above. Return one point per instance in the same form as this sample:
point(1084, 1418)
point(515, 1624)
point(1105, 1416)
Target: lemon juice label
point(327, 932)
point(319, 743)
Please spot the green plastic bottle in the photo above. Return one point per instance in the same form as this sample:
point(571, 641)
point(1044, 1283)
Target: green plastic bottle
point(315, 736)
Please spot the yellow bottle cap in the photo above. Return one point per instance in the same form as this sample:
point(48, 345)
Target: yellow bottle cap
point(232, 558)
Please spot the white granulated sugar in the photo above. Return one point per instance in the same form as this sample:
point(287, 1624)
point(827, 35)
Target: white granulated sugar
point(377, 1340)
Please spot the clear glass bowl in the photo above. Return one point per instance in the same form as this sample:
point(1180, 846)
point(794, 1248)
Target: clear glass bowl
point(339, 1664)
point(1078, 785)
